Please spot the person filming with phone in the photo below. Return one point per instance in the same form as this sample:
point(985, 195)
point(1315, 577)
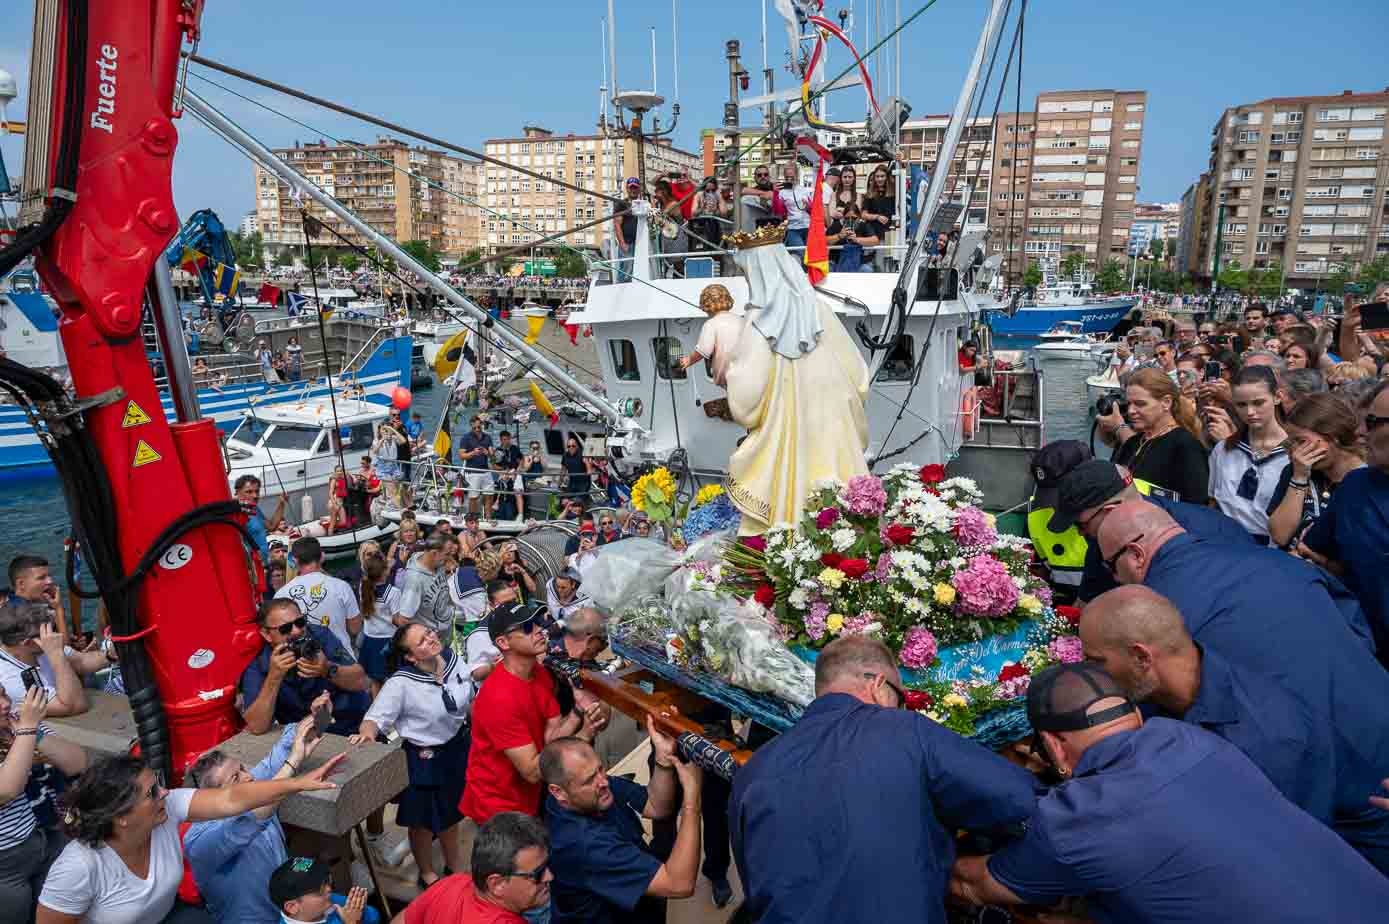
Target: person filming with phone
point(298, 663)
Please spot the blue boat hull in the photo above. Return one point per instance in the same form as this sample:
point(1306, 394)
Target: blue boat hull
point(22, 456)
point(1099, 318)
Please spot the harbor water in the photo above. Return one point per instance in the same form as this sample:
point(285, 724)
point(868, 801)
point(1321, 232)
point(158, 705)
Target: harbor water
point(36, 518)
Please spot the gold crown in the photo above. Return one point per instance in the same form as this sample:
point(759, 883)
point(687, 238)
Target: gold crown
point(767, 234)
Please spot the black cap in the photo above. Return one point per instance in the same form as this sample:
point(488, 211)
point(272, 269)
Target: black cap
point(297, 877)
point(1087, 485)
point(508, 616)
point(1058, 697)
point(833, 171)
point(1051, 463)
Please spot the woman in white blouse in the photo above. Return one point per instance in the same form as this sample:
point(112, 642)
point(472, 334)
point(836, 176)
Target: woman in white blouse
point(426, 699)
point(125, 860)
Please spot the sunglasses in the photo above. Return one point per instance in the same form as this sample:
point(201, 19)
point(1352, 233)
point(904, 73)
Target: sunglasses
point(1373, 422)
point(536, 875)
point(301, 623)
point(606, 523)
point(525, 628)
point(1112, 561)
point(896, 688)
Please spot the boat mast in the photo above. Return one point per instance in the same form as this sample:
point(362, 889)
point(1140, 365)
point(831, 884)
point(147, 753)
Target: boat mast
point(262, 155)
point(947, 156)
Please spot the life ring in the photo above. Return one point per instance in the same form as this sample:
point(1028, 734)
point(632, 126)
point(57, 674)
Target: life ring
point(969, 409)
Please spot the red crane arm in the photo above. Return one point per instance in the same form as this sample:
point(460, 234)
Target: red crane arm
point(195, 608)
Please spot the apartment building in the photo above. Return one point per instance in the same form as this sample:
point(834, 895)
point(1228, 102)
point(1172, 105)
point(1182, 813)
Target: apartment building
point(406, 193)
point(1194, 223)
point(519, 209)
point(1302, 181)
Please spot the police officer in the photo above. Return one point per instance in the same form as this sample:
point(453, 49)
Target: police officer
point(1092, 488)
point(1161, 822)
point(1063, 551)
point(1138, 637)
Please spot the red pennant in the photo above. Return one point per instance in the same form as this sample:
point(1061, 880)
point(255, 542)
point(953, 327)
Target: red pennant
point(269, 294)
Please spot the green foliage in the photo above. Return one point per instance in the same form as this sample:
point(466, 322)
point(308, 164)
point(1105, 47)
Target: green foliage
point(1032, 276)
point(1337, 279)
point(425, 254)
point(1373, 273)
point(570, 264)
point(284, 257)
point(1267, 283)
point(1072, 263)
point(1233, 278)
point(350, 262)
point(1156, 248)
point(1111, 277)
point(249, 248)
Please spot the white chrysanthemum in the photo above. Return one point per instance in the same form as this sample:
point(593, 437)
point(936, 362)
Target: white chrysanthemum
point(797, 598)
point(841, 539)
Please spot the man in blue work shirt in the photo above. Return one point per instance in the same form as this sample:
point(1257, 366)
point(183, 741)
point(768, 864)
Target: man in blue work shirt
point(1138, 637)
point(1353, 531)
point(247, 490)
point(230, 855)
point(1161, 822)
point(604, 871)
point(286, 678)
point(849, 815)
point(1094, 487)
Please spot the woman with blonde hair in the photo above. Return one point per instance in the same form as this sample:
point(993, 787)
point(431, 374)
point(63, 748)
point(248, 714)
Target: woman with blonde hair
point(1158, 438)
point(1341, 373)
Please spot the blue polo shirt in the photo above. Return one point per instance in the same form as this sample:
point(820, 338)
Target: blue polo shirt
point(848, 816)
point(229, 853)
point(601, 864)
point(1354, 529)
point(1302, 752)
point(1203, 522)
point(298, 693)
point(256, 526)
point(1167, 824)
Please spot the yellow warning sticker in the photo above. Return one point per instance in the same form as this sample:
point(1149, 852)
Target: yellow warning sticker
point(134, 416)
point(144, 454)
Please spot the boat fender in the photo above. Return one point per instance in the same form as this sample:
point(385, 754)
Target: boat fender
point(306, 508)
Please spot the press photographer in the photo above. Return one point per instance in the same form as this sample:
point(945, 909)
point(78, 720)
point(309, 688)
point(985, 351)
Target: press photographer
point(297, 664)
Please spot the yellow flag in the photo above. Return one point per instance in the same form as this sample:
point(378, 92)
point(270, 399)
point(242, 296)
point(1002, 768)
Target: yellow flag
point(542, 403)
point(442, 445)
point(534, 323)
point(449, 355)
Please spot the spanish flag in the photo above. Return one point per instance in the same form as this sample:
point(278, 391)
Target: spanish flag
point(543, 405)
point(817, 250)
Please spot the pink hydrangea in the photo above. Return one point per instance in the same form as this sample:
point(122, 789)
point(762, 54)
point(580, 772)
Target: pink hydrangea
point(856, 625)
point(918, 648)
point(814, 626)
point(826, 517)
point(883, 572)
point(972, 527)
point(865, 496)
point(1016, 687)
point(1066, 649)
point(985, 588)
point(1043, 593)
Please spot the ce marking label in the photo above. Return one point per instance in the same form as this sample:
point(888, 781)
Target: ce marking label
point(176, 557)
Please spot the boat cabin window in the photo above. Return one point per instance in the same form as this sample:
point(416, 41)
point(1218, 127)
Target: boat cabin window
point(357, 436)
point(250, 430)
point(900, 362)
point(624, 356)
point(668, 351)
point(284, 436)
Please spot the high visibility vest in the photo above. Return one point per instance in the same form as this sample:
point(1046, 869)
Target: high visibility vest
point(1063, 552)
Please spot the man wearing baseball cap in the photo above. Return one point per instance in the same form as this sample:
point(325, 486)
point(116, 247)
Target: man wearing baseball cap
point(1087, 492)
point(1064, 550)
point(1162, 822)
point(625, 220)
point(302, 889)
point(515, 715)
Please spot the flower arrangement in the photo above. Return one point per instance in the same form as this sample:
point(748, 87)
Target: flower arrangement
point(706, 494)
point(654, 494)
point(911, 558)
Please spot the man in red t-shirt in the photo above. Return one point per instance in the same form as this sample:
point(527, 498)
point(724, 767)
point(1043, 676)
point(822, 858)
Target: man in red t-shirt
point(510, 876)
point(514, 715)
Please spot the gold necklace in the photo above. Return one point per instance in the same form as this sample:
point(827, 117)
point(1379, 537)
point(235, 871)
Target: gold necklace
point(1138, 453)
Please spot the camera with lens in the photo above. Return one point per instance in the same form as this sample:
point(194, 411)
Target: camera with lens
point(1105, 405)
point(305, 647)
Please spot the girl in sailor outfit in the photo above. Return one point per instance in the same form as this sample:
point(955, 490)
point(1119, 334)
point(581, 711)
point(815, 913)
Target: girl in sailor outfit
point(426, 699)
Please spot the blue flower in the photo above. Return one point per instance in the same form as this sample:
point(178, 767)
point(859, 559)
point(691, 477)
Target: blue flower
point(714, 516)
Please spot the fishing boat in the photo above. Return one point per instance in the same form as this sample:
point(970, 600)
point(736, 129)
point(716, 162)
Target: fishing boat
point(1076, 346)
point(1062, 303)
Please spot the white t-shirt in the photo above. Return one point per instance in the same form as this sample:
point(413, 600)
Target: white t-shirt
point(11, 681)
point(1228, 468)
point(717, 340)
point(96, 886)
point(378, 624)
point(327, 601)
point(796, 200)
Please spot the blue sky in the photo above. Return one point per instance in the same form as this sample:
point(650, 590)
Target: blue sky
point(471, 71)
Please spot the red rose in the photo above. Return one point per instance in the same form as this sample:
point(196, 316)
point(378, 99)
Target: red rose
point(898, 534)
point(765, 595)
point(1072, 614)
point(1012, 672)
point(831, 559)
point(932, 474)
point(756, 543)
point(918, 700)
point(853, 568)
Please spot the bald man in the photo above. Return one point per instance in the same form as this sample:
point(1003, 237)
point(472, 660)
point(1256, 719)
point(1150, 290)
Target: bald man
point(1161, 823)
point(1139, 638)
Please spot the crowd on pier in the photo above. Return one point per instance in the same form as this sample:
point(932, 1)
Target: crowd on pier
point(1219, 754)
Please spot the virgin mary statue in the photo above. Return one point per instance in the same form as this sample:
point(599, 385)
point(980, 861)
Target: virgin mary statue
point(796, 383)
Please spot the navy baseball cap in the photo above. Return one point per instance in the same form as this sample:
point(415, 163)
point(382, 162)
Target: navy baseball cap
point(1089, 484)
point(1060, 697)
point(1053, 462)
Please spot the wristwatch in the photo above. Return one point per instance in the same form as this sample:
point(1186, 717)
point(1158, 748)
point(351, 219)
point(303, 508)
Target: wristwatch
point(332, 671)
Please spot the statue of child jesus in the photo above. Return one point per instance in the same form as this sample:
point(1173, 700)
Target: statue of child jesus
point(719, 335)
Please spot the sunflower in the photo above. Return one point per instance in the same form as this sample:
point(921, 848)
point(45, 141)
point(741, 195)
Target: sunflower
point(654, 493)
point(706, 494)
